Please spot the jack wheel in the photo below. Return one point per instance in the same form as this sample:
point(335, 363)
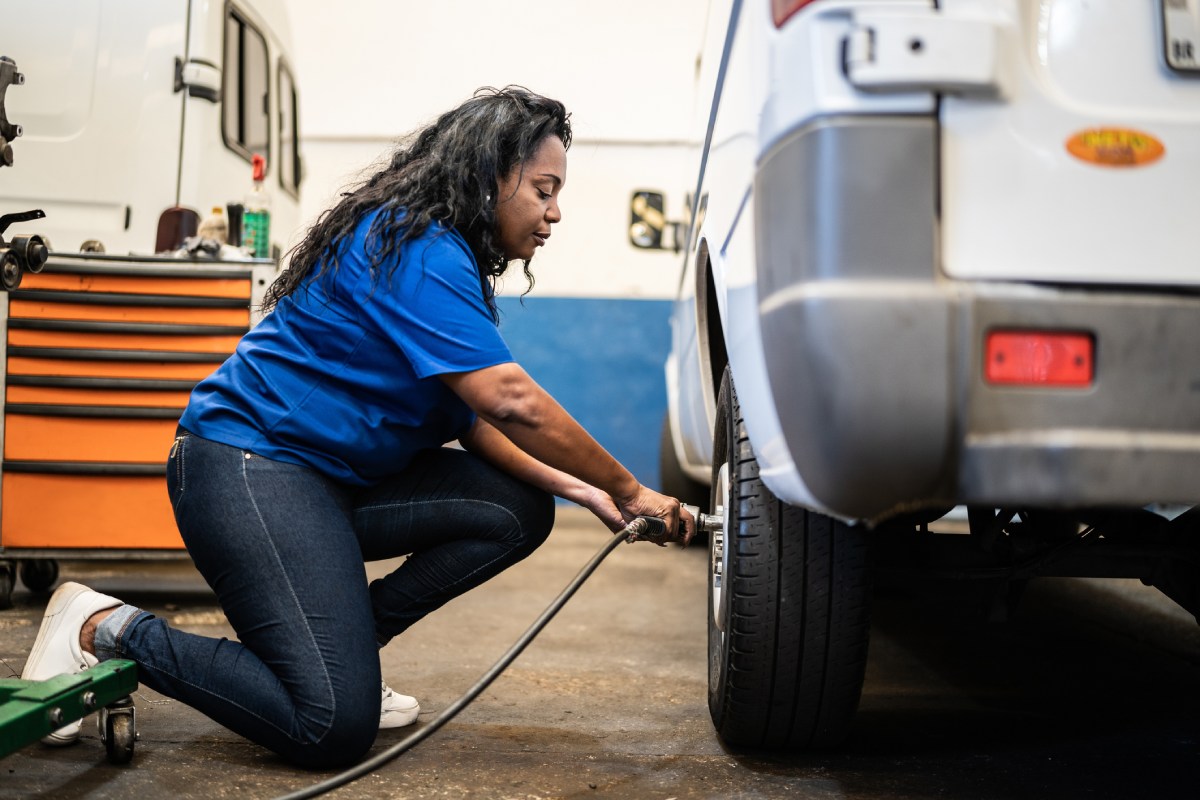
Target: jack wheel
point(118, 730)
point(39, 574)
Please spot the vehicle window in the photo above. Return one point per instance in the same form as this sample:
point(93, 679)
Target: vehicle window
point(246, 89)
point(289, 132)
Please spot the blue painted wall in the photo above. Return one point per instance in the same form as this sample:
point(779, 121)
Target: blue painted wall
point(602, 359)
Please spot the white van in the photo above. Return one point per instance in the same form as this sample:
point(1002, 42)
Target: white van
point(130, 108)
point(942, 253)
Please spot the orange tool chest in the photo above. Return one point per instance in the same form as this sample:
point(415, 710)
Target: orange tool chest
point(101, 355)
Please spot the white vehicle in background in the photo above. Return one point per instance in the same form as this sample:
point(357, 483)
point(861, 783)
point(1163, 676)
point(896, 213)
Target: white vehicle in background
point(132, 108)
point(941, 254)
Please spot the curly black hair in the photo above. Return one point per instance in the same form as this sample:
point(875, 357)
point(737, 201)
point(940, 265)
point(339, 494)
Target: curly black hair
point(446, 172)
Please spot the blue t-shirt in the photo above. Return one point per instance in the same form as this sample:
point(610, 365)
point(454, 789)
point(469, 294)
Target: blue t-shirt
point(342, 375)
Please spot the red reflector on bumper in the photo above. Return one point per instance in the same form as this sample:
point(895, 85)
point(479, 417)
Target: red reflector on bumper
point(1039, 359)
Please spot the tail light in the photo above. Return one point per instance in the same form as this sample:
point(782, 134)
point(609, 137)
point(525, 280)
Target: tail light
point(781, 10)
point(1039, 358)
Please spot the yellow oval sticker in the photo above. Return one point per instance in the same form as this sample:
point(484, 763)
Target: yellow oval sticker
point(1115, 147)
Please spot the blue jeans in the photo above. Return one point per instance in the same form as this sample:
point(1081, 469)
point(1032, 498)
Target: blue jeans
point(283, 548)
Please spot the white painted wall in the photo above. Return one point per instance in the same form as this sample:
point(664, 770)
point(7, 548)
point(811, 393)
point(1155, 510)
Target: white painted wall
point(372, 70)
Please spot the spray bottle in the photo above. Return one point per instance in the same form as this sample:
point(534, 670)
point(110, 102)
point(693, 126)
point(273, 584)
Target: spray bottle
point(256, 219)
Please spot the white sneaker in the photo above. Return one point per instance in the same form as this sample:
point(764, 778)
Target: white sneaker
point(396, 710)
point(56, 649)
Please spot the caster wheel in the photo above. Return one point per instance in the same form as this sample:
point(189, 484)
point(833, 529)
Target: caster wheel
point(39, 574)
point(118, 730)
point(6, 584)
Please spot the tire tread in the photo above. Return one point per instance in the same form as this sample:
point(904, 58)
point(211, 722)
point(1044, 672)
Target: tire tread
point(791, 666)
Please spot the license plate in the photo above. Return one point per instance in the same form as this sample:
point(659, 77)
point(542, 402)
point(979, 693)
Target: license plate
point(1181, 34)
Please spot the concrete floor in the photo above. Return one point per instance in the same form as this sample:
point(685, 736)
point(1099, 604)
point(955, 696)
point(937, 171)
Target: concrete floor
point(1093, 690)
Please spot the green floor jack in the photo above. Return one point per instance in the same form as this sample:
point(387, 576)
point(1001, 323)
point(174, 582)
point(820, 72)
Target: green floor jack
point(31, 709)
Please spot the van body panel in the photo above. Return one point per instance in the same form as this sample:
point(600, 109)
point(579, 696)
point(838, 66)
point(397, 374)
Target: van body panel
point(1071, 70)
point(826, 312)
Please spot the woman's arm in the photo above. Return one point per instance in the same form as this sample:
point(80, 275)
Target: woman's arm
point(512, 402)
point(493, 446)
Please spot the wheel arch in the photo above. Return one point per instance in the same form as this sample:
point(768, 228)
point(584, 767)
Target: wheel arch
point(710, 327)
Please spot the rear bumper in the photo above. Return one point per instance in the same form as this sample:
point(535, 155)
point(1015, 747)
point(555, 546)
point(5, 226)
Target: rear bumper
point(1132, 438)
point(884, 407)
point(874, 362)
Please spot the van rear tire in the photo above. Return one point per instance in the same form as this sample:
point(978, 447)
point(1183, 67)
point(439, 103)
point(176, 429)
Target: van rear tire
point(789, 601)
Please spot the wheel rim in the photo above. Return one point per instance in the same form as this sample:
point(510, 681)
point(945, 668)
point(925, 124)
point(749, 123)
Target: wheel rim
point(718, 558)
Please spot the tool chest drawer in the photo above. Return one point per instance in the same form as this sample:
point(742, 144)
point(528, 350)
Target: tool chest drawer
point(101, 355)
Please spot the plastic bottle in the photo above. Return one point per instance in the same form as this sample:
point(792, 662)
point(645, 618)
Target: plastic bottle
point(256, 218)
point(214, 226)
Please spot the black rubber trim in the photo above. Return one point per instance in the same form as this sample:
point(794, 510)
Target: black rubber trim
point(101, 326)
point(81, 354)
point(83, 468)
point(95, 554)
point(129, 299)
point(115, 412)
point(205, 93)
point(79, 382)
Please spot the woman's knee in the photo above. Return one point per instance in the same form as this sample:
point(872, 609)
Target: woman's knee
point(347, 739)
point(522, 513)
point(526, 520)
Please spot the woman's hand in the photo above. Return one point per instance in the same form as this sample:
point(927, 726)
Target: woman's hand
point(600, 504)
point(649, 503)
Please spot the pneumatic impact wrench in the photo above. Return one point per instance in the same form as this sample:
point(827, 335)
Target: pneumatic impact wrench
point(654, 529)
